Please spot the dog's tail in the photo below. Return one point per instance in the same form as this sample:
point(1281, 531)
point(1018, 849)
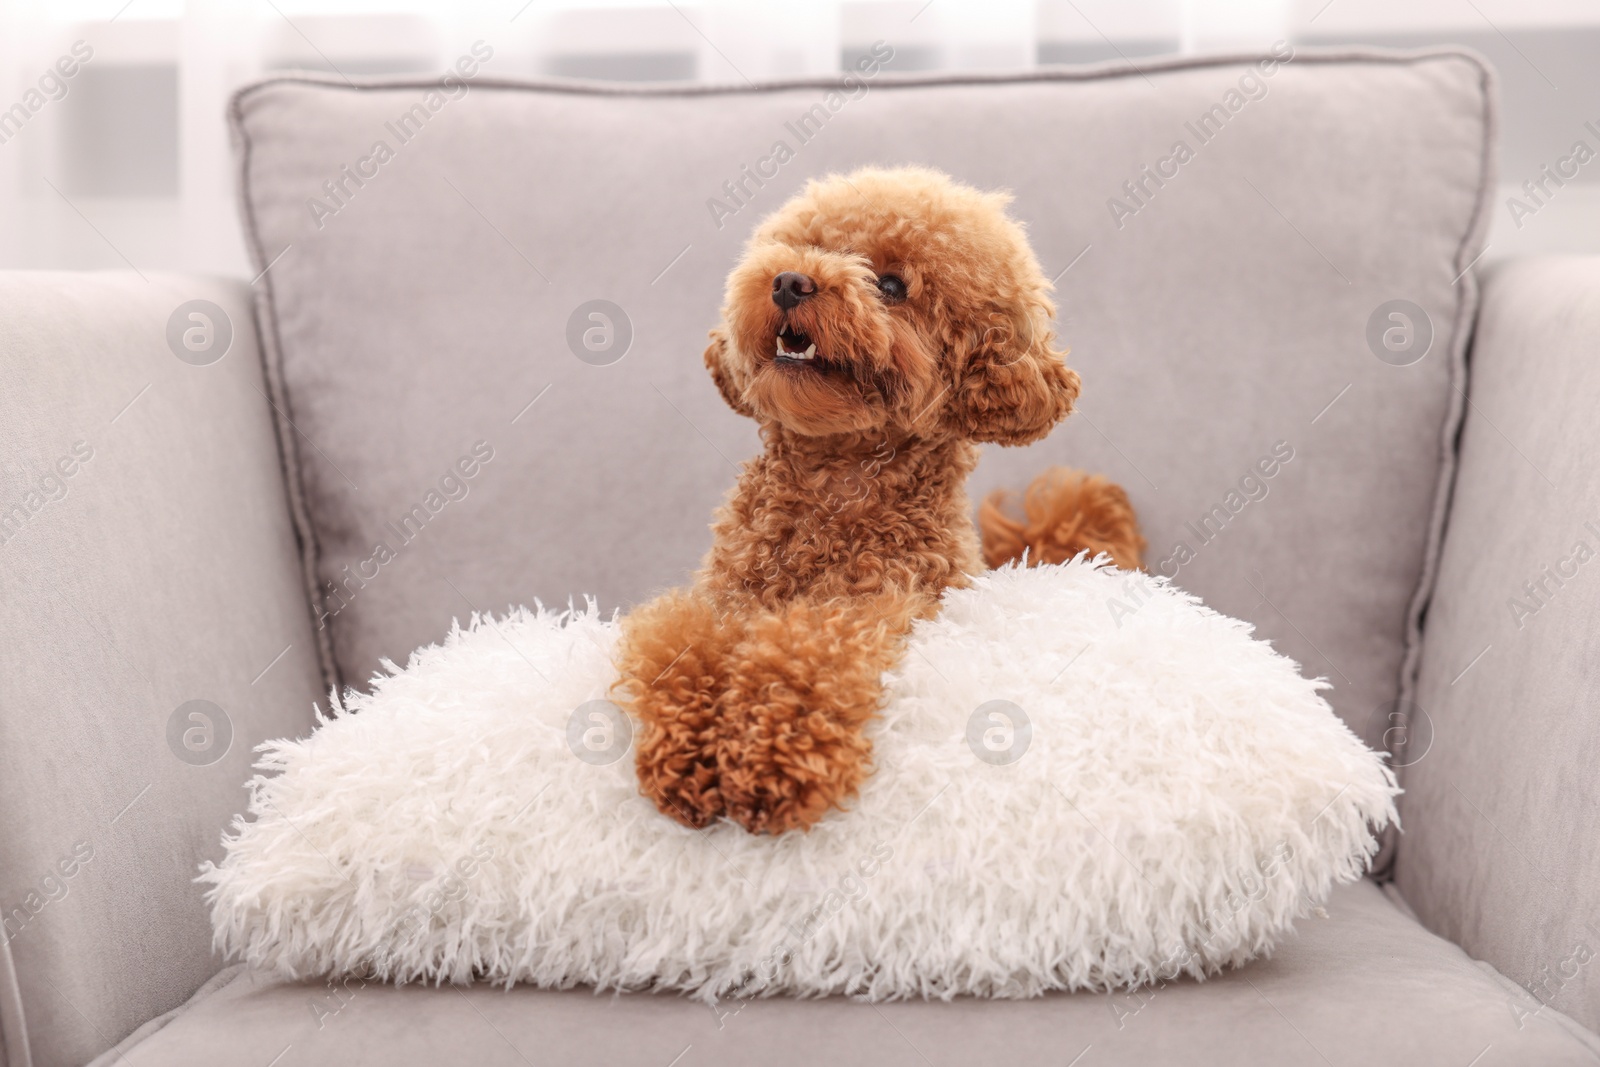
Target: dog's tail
point(1064, 512)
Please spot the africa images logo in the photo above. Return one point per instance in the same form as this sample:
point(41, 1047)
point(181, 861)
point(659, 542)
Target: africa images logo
point(339, 190)
point(737, 191)
point(1141, 189)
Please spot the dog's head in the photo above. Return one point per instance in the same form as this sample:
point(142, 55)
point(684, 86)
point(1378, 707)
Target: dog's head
point(895, 301)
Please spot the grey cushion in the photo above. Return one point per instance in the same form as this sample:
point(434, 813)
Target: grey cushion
point(1227, 314)
point(152, 563)
point(1500, 806)
point(1367, 985)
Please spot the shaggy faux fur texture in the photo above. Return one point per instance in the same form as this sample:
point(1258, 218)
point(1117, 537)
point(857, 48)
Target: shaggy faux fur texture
point(879, 326)
point(1086, 780)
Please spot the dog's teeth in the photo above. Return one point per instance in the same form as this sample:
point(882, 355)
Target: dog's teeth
point(783, 351)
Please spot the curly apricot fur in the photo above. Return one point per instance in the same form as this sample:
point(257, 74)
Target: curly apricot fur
point(1065, 512)
point(753, 688)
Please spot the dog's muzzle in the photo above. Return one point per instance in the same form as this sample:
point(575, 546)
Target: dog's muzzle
point(790, 288)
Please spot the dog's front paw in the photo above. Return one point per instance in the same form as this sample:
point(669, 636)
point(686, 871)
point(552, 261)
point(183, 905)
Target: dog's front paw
point(788, 763)
point(672, 660)
point(677, 771)
point(801, 689)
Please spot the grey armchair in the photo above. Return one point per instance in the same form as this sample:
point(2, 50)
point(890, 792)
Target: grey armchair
point(193, 466)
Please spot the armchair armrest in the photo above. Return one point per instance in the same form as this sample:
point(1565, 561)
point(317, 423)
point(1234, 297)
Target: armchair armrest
point(1501, 807)
point(155, 629)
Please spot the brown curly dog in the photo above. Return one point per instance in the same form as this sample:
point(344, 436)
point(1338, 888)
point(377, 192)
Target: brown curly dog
point(879, 327)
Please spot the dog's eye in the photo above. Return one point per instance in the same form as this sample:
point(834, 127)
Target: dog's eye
point(892, 288)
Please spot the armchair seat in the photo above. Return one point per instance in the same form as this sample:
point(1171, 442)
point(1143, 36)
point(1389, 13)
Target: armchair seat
point(1365, 985)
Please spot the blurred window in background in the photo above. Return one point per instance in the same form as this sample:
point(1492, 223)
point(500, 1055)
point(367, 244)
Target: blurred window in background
point(114, 152)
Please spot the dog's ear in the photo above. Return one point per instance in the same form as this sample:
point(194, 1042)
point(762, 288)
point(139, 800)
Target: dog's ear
point(730, 381)
point(1012, 386)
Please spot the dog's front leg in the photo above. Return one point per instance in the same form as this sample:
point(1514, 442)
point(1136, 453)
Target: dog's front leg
point(758, 713)
point(801, 687)
point(673, 659)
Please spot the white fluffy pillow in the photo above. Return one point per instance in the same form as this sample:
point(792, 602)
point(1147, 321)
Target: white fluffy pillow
point(1171, 796)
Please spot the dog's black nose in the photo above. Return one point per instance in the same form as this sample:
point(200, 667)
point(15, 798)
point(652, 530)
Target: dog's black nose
point(789, 288)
